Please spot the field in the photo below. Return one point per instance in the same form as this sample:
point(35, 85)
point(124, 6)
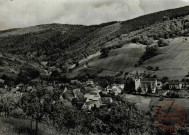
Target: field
point(13, 126)
point(122, 59)
point(172, 60)
point(149, 104)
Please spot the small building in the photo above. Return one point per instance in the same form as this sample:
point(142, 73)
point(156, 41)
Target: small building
point(2, 81)
point(108, 89)
point(90, 82)
point(114, 89)
point(88, 105)
point(77, 93)
point(159, 85)
point(92, 97)
point(75, 82)
point(185, 85)
point(46, 74)
point(106, 100)
point(175, 85)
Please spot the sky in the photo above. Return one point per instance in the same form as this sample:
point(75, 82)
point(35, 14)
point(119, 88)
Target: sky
point(23, 13)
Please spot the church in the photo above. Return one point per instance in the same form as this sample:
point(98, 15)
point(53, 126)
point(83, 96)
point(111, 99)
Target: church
point(146, 84)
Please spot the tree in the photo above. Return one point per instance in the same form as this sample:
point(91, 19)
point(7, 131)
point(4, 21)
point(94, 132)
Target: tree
point(7, 103)
point(149, 89)
point(139, 90)
point(103, 83)
point(129, 85)
point(68, 117)
point(1, 62)
point(162, 42)
point(149, 53)
point(35, 103)
point(164, 79)
point(104, 52)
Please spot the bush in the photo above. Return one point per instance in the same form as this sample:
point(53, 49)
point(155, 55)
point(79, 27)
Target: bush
point(162, 42)
point(150, 52)
point(104, 52)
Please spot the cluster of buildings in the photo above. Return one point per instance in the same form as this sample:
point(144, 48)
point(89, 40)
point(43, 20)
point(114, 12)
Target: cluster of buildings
point(144, 84)
point(94, 95)
point(87, 94)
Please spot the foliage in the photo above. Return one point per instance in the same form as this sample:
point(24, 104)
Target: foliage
point(150, 19)
point(35, 104)
point(149, 89)
point(117, 120)
point(104, 52)
point(8, 102)
point(149, 53)
point(162, 42)
point(129, 85)
point(164, 79)
point(103, 83)
point(26, 74)
point(139, 90)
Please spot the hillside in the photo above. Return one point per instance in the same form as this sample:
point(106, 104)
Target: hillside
point(64, 46)
point(172, 60)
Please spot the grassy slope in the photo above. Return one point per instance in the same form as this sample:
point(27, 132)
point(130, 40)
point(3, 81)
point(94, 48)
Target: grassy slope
point(13, 126)
point(68, 44)
point(172, 60)
point(120, 59)
point(149, 104)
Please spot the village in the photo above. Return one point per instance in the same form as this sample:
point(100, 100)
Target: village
point(89, 94)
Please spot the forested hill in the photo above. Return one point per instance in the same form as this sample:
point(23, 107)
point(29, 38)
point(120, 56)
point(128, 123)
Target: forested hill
point(65, 45)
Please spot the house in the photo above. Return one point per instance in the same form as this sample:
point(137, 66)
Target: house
point(108, 89)
point(19, 86)
point(46, 74)
point(68, 94)
point(145, 84)
point(159, 85)
point(175, 85)
point(88, 105)
point(106, 100)
point(92, 97)
point(77, 93)
point(90, 82)
point(121, 86)
point(29, 88)
point(75, 82)
point(2, 81)
point(114, 89)
point(185, 85)
point(44, 63)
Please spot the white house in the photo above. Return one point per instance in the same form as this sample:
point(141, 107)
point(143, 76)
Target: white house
point(175, 85)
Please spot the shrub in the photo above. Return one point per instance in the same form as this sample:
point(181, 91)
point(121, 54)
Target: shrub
point(162, 42)
point(104, 52)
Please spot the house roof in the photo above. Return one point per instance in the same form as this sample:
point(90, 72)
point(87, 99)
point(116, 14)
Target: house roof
point(174, 83)
point(148, 80)
point(50, 88)
point(106, 99)
point(2, 81)
point(92, 96)
point(92, 103)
